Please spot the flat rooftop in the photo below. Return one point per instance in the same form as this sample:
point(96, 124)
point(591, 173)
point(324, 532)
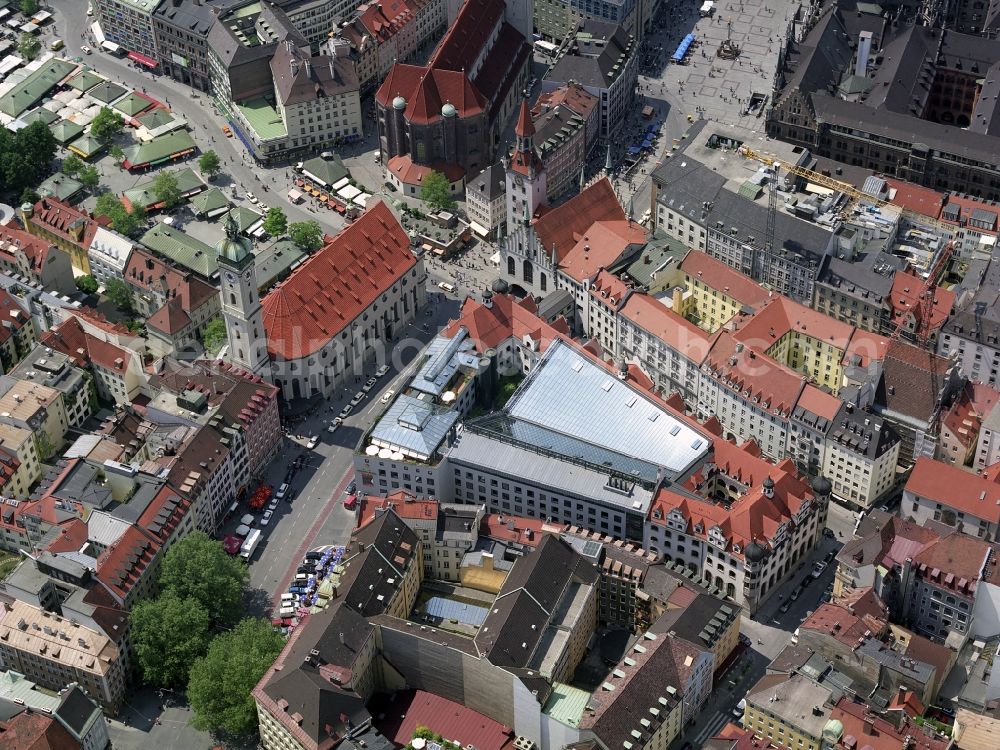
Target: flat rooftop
point(263, 118)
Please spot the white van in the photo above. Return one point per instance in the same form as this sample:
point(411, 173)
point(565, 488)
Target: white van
point(302, 577)
point(286, 611)
point(56, 44)
point(287, 597)
point(447, 287)
point(282, 491)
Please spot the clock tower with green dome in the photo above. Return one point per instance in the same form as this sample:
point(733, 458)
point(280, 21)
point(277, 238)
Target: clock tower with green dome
point(241, 304)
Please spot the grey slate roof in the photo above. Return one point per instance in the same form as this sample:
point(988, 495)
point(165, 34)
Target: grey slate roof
point(490, 183)
point(863, 433)
point(867, 278)
point(976, 316)
point(385, 544)
point(76, 710)
point(588, 63)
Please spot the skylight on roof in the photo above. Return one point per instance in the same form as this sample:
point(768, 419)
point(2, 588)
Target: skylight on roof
point(577, 366)
point(606, 385)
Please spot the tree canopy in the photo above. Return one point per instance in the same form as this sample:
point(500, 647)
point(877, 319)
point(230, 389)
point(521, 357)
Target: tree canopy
point(197, 567)
point(106, 125)
point(166, 189)
point(89, 176)
point(209, 163)
point(72, 164)
point(221, 682)
point(86, 284)
point(122, 220)
point(275, 222)
point(169, 633)
point(436, 192)
point(28, 46)
point(119, 293)
point(29, 7)
point(25, 156)
point(214, 337)
point(306, 234)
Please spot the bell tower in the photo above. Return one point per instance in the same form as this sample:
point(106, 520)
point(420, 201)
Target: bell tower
point(526, 183)
point(241, 308)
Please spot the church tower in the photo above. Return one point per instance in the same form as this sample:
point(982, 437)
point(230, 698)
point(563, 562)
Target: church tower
point(526, 186)
point(241, 304)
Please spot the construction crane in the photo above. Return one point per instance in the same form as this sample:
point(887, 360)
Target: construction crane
point(854, 195)
point(924, 308)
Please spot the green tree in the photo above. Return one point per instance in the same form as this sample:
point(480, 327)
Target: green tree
point(221, 682)
point(106, 125)
point(86, 284)
point(209, 164)
point(436, 192)
point(169, 633)
point(43, 444)
point(25, 156)
point(89, 176)
point(119, 293)
point(117, 153)
point(72, 164)
point(29, 7)
point(275, 222)
point(306, 234)
point(197, 567)
point(166, 189)
point(28, 195)
point(122, 220)
point(28, 46)
point(215, 335)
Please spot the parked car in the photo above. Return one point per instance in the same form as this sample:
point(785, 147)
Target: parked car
point(267, 517)
point(306, 569)
point(227, 131)
point(313, 440)
point(252, 198)
point(784, 607)
point(345, 411)
point(818, 568)
point(381, 371)
point(282, 491)
point(830, 555)
point(358, 398)
point(273, 506)
point(332, 427)
point(795, 594)
point(387, 396)
point(86, 50)
point(313, 555)
point(369, 384)
point(351, 502)
point(352, 488)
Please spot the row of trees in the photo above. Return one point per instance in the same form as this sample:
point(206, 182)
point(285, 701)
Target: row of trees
point(192, 635)
point(25, 157)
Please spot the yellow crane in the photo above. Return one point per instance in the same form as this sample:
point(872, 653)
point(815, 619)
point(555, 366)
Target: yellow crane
point(855, 196)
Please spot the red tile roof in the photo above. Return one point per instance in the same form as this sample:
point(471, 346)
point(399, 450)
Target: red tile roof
point(601, 245)
point(164, 514)
point(956, 488)
point(170, 318)
point(717, 275)
point(508, 318)
point(571, 95)
point(966, 206)
point(65, 221)
point(518, 529)
point(427, 90)
point(123, 564)
point(562, 227)
point(753, 516)
point(386, 18)
point(840, 623)
point(905, 302)
point(410, 173)
point(35, 249)
point(964, 417)
point(909, 703)
point(957, 559)
point(741, 369)
point(468, 35)
point(70, 338)
point(818, 402)
point(29, 730)
point(609, 289)
point(781, 316)
point(870, 730)
point(73, 534)
point(917, 198)
point(410, 709)
point(405, 504)
point(336, 284)
point(674, 330)
point(148, 273)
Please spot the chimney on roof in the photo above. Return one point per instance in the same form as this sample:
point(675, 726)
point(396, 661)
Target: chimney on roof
point(869, 727)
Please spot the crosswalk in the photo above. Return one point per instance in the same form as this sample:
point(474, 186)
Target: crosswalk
point(714, 724)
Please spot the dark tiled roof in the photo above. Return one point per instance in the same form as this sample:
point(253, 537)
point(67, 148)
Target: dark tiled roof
point(377, 559)
point(76, 709)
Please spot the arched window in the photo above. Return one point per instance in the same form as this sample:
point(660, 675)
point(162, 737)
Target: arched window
point(510, 266)
point(232, 299)
point(529, 272)
point(543, 282)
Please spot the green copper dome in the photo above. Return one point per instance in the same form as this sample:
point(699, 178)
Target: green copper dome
point(234, 247)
